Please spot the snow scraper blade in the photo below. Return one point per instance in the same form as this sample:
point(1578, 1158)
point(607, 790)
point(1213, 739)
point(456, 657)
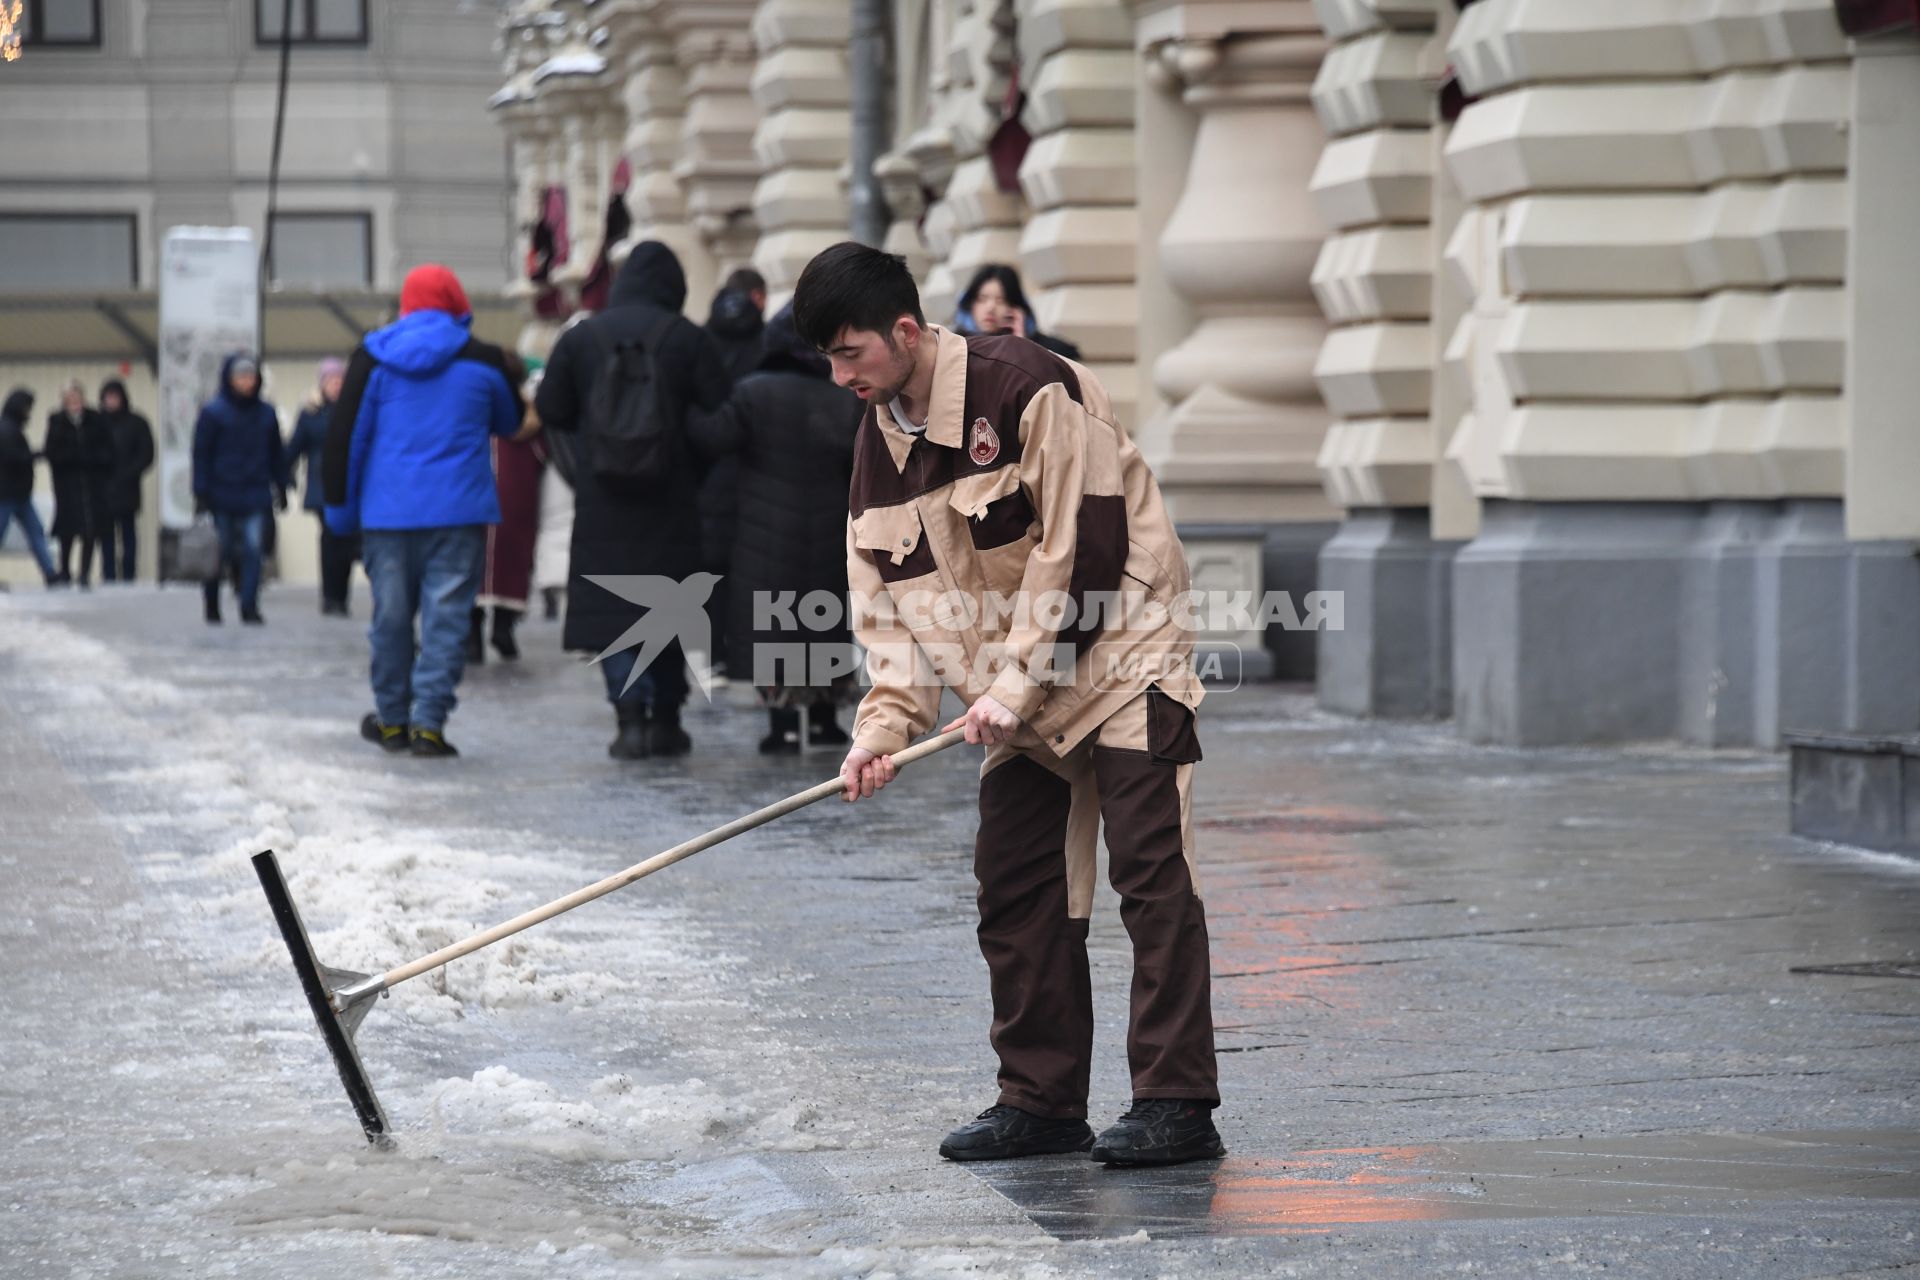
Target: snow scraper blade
point(340, 999)
point(338, 1021)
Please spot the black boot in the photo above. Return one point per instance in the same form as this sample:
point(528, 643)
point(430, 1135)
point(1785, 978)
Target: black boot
point(783, 733)
point(504, 620)
point(210, 593)
point(1002, 1132)
point(1161, 1131)
point(550, 603)
point(477, 636)
point(822, 729)
point(665, 737)
point(631, 743)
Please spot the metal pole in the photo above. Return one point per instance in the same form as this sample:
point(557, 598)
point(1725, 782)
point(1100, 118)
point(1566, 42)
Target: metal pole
point(273, 172)
point(869, 217)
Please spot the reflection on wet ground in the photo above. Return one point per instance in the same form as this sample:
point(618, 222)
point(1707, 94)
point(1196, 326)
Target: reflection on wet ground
point(1698, 1175)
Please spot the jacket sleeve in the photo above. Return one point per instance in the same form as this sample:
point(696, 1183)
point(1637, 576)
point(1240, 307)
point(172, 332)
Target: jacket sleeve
point(277, 453)
point(898, 707)
point(722, 433)
point(558, 401)
point(1070, 466)
point(206, 431)
point(338, 453)
point(297, 443)
point(142, 445)
point(710, 381)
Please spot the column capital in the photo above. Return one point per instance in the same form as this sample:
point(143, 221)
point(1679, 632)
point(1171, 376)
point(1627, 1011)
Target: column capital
point(1258, 66)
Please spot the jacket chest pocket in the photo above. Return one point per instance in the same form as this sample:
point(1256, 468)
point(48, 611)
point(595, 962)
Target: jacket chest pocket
point(894, 540)
point(996, 508)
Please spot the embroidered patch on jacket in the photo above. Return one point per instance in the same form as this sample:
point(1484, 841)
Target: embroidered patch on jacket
point(985, 445)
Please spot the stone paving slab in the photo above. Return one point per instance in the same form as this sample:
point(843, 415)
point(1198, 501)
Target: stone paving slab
point(1479, 1009)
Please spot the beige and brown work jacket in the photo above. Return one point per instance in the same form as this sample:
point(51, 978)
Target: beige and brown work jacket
point(962, 543)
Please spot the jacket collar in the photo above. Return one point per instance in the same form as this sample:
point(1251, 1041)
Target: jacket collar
point(948, 403)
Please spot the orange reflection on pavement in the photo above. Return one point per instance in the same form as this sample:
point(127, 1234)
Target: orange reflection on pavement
point(1247, 1199)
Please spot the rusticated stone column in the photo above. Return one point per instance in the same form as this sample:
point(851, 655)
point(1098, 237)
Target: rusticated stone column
point(1077, 250)
point(801, 87)
point(717, 169)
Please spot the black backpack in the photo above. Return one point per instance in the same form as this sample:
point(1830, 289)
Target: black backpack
point(632, 434)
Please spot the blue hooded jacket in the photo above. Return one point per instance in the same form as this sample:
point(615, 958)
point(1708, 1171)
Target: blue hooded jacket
point(239, 460)
point(421, 399)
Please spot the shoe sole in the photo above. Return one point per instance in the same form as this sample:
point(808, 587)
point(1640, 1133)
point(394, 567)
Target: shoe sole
point(1016, 1152)
point(1205, 1149)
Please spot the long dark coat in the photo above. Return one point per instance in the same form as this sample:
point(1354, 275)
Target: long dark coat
point(132, 439)
point(80, 455)
point(616, 533)
point(792, 431)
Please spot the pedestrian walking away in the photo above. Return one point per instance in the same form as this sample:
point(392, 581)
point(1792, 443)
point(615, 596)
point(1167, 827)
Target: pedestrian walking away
point(406, 466)
point(16, 481)
point(305, 449)
point(643, 356)
point(989, 469)
point(239, 477)
point(79, 451)
point(507, 581)
point(790, 431)
point(736, 319)
point(131, 437)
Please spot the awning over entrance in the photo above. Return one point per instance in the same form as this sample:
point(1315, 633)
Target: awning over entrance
point(126, 326)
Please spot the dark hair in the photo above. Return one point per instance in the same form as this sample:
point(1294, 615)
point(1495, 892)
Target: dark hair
point(746, 280)
point(1009, 282)
point(852, 286)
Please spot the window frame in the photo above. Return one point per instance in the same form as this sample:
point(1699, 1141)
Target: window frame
point(33, 37)
point(129, 216)
point(305, 9)
point(281, 217)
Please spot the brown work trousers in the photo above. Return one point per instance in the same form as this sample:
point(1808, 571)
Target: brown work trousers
point(1035, 859)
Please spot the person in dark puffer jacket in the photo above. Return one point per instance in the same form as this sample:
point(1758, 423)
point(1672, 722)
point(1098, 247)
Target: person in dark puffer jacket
point(407, 466)
point(239, 476)
point(16, 480)
point(132, 438)
point(791, 431)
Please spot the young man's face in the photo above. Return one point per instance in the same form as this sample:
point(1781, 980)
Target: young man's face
point(876, 366)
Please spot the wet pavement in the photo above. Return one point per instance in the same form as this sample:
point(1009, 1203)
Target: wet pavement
point(1480, 1010)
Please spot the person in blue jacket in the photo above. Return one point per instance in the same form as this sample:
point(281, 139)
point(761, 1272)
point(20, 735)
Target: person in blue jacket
point(407, 466)
point(309, 442)
point(239, 477)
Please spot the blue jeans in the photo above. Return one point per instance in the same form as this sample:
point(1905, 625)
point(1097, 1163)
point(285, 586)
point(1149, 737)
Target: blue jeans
point(36, 532)
point(242, 534)
point(662, 686)
point(436, 574)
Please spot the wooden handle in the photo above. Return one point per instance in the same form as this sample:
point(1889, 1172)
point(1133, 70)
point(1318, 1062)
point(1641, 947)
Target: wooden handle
point(640, 870)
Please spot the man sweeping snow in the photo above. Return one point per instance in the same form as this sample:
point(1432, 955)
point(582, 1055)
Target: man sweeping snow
point(989, 470)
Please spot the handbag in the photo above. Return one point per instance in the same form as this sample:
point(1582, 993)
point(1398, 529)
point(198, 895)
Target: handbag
point(197, 554)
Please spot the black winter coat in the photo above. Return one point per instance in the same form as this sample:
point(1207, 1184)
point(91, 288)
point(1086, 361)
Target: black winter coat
point(792, 430)
point(80, 455)
point(16, 455)
point(740, 332)
point(616, 533)
point(132, 438)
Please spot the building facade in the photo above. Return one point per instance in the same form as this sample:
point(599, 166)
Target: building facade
point(125, 118)
point(1539, 330)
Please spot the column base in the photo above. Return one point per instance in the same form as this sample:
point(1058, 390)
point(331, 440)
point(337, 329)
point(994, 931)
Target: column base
point(1723, 624)
point(1255, 559)
point(1392, 657)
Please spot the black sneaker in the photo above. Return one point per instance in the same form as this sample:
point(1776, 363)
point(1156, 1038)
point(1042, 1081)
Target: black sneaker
point(1002, 1132)
point(432, 744)
point(388, 737)
point(783, 733)
point(252, 618)
point(1161, 1131)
